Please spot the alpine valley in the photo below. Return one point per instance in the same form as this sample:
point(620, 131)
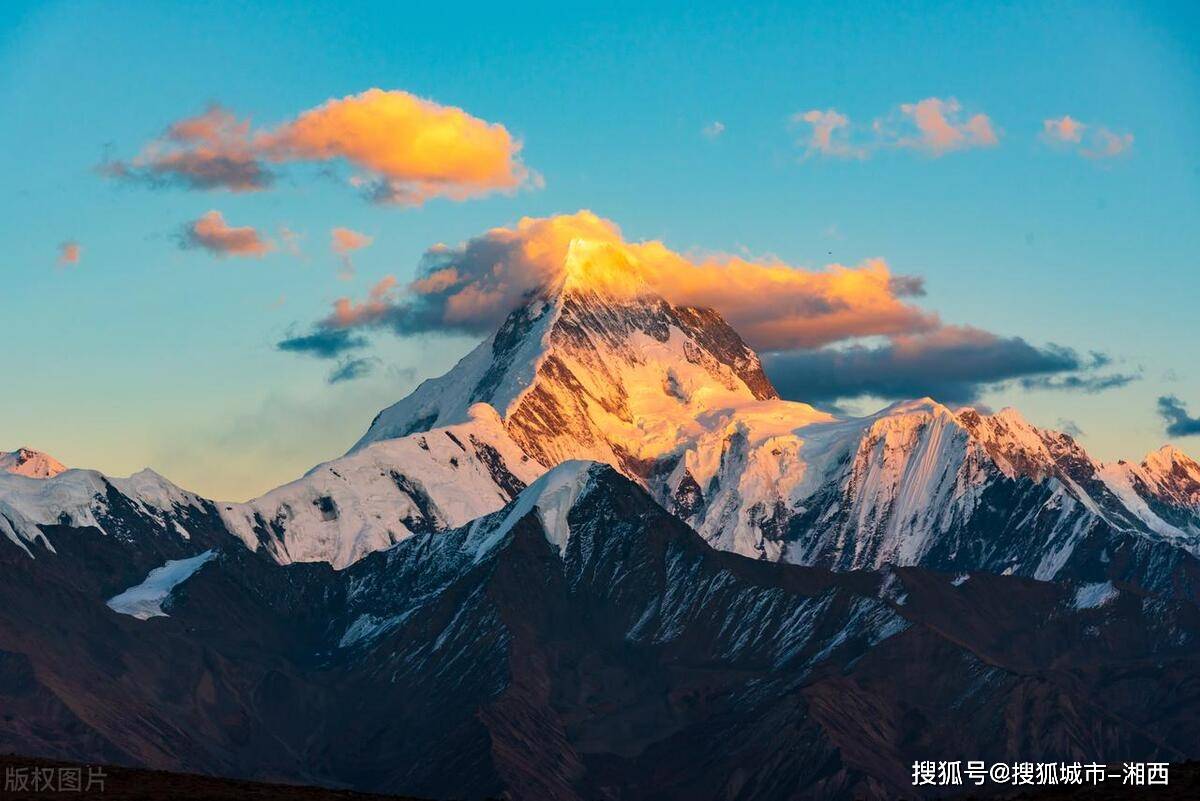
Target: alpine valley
point(601, 558)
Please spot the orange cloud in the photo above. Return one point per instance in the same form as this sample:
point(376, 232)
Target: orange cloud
point(940, 129)
point(347, 240)
point(212, 150)
point(348, 314)
point(473, 286)
point(213, 234)
point(415, 148)
point(69, 253)
point(1093, 141)
point(409, 148)
point(1063, 129)
point(829, 135)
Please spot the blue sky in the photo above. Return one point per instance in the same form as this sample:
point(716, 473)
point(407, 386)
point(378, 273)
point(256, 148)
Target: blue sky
point(143, 353)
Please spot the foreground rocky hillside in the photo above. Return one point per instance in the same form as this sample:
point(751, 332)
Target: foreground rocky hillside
point(579, 643)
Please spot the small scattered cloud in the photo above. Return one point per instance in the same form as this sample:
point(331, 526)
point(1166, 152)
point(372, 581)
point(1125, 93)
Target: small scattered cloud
point(1175, 416)
point(403, 149)
point(1090, 141)
point(934, 126)
point(713, 130)
point(211, 233)
point(323, 343)
point(346, 240)
point(829, 134)
point(1064, 129)
point(69, 252)
point(343, 242)
point(937, 126)
point(352, 369)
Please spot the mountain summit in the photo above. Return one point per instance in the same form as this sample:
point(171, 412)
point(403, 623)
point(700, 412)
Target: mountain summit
point(30, 463)
point(593, 367)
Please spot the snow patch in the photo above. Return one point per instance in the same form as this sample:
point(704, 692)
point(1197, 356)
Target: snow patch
point(367, 627)
point(145, 600)
point(552, 496)
point(1093, 596)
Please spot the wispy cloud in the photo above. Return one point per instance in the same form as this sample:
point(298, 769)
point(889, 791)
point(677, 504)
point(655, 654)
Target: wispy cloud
point(291, 241)
point(323, 343)
point(713, 130)
point(828, 135)
point(211, 233)
point(69, 252)
point(1175, 415)
point(1106, 144)
point(343, 242)
point(1070, 427)
point(404, 150)
point(349, 369)
point(1087, 140)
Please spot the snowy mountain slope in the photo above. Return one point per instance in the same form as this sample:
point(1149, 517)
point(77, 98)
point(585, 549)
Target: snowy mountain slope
point(1163, 491)
point(118, 507)
point(30, 463)
point(387, 491)
point(918, 483)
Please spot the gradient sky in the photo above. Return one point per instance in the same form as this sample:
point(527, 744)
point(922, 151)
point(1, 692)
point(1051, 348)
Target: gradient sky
point(135, 351)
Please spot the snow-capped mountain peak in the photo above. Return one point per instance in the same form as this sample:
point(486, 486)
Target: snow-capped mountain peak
point(594, 367)
point(30, 463)
point(601, 268)
point(1169, 461)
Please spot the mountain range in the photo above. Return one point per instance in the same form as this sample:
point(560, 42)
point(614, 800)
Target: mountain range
point(602, 558)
